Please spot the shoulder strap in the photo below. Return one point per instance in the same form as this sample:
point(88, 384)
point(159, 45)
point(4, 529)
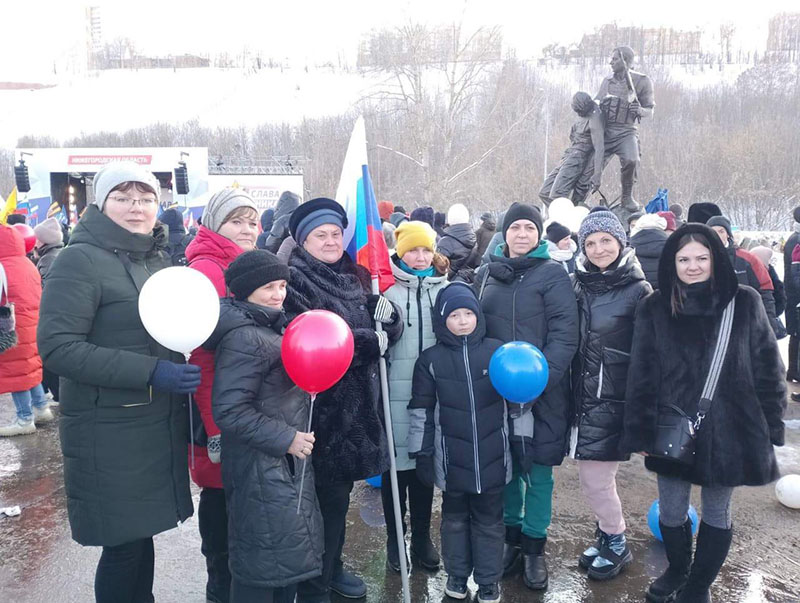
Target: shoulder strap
point(717, 361)
point(3, 284)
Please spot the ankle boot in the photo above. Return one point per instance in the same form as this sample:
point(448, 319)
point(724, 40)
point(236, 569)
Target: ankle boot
point(713, 545)
point(535, 571)
point(678, 545)
point(422, 550)
point(393, 555)
point(512, 553)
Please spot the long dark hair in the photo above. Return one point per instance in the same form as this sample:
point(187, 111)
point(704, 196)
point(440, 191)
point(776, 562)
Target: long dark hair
point(678, 293)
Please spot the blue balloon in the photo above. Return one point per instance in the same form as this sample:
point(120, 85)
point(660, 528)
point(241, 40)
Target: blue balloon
point(374, 481)
point(652, 520)
point(518, 371)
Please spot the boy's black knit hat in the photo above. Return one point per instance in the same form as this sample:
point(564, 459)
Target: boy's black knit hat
point(254, 269)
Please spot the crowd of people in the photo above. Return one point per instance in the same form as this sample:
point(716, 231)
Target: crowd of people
point(628, 317)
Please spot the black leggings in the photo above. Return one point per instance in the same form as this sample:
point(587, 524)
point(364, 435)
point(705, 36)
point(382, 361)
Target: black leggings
point(125, 573)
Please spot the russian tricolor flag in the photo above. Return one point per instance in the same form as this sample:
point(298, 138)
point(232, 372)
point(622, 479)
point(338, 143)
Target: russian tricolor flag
point(363, 238)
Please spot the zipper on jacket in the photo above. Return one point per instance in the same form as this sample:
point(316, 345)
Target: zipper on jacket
point(514, 310)
point(473, 416)
point(419, 311)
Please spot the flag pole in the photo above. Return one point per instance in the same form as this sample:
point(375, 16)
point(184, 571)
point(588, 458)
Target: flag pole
point(387, 413)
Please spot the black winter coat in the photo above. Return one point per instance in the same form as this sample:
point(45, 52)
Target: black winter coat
point(606, 307)
point(531, 299)
point(792, 289)
point(744, 264)
point(124, 443)
point(779, 291)
point(483, 235)
point(456, 415)
point(670, 360)
point(280, 223)
point(457, 244)
point(259, 410)
point(649, 243)
point(347, 422)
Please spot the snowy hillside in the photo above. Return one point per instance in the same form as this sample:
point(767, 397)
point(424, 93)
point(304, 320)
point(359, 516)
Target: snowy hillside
point(121, 100)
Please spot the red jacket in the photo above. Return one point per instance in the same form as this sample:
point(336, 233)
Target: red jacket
point(210, 253)
point(21, 366)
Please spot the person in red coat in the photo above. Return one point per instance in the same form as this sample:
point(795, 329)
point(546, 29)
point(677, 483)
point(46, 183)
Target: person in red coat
point(230, 227)
point(22, 366)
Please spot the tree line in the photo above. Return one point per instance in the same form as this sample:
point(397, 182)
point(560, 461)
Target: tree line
point(468, 127)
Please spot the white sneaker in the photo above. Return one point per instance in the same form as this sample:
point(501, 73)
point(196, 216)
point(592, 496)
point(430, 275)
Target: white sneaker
point(18, 427)
point(42, 415)
point(49, 396)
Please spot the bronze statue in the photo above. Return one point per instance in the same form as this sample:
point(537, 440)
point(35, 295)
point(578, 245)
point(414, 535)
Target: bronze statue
point(574, 176)
point(625, 98)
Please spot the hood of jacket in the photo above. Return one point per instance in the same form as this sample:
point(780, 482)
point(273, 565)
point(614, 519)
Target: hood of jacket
point(463, 233)
point(649, 242)
point(236, 314)
point(208, 243)
point(173, 220)
point(11, 243)
point(287, 203)
point(412, 281)
point(97, 229)
point(443, 334)
point(627, 270)
point(725, 284)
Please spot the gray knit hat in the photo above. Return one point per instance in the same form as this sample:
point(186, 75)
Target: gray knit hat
point(601, 221)
point(114, 173)
point(49, 232)
point(222, 203)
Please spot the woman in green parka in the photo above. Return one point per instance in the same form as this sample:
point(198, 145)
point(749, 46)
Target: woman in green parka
point(124, 421)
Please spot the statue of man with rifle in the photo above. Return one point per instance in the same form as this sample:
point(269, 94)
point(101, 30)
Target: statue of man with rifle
point(625, 97)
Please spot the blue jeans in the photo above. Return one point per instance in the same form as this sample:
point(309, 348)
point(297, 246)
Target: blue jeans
point(24, 400)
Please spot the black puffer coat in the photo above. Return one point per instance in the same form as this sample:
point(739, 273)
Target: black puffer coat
point(124, 443)
point(531, 299)
point(347, 422)
point(670, 360)
point(606, 307)
point(792, 290)
point(286, 205)
point(259, 410)
point(456, 415)
point(649, 243)
point(458, 245)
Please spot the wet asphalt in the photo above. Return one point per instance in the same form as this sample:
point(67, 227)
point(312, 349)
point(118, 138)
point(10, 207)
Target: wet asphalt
point(40, 563)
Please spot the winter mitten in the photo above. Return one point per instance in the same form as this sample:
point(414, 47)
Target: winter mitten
point(214, 449)
point(383, 341)
point(425, 473)
point(380, 308)
point(175, 378)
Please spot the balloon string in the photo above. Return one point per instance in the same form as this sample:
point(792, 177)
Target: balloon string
point(305, 460)
point(191, 420)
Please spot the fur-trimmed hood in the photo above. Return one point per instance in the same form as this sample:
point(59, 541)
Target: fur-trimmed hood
point(725, 283)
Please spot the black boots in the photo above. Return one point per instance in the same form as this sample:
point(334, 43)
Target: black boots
point(535, 571)
point(712, 548)
point(512, 550)
point(393, 554)
point(422, 550)
point(678, 544)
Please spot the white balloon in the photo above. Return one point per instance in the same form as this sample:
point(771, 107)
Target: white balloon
point(560, 210)
point(788, 491)
point(179, 307)
point(576, 217)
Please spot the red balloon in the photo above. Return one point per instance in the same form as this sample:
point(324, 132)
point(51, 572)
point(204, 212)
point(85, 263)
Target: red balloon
point(28, 236)
point(317, 350)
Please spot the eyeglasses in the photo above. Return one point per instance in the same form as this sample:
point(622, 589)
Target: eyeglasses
point(130, 201)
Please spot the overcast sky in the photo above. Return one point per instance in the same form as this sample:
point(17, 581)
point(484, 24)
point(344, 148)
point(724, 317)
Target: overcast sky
point(36, 31)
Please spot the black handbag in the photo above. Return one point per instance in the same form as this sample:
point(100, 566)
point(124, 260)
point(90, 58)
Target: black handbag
point(8, 323)
point(676, 431)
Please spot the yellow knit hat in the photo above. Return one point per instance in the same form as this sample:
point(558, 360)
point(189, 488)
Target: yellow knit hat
point(414, 234)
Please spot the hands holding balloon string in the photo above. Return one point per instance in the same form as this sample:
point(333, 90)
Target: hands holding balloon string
point(302, 446)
